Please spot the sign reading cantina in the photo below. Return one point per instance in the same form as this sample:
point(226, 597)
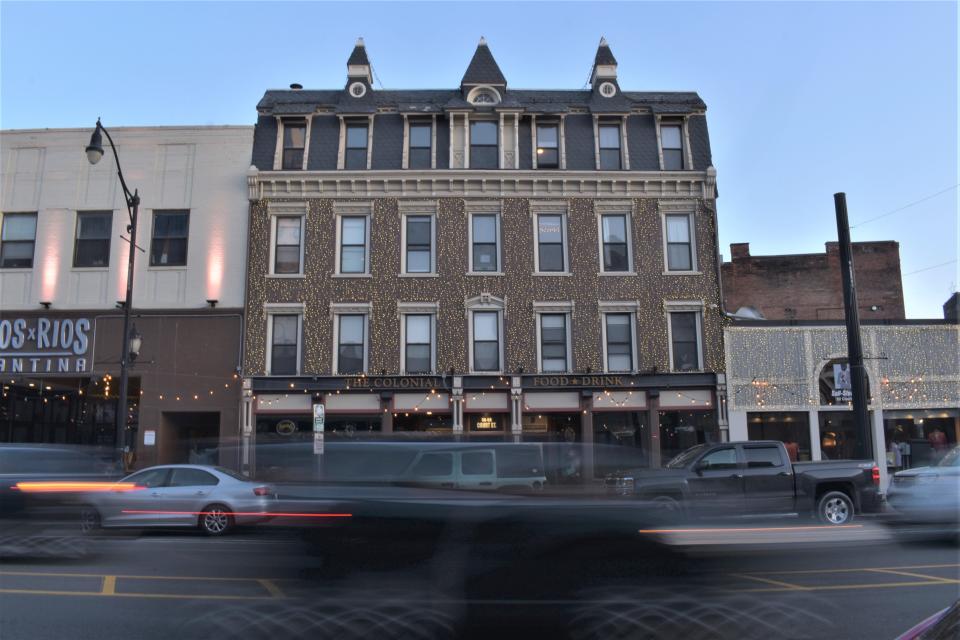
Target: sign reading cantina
point(44, 345)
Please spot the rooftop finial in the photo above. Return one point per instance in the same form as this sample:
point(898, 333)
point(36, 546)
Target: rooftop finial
point(603, 41)
point(360, 42)
point(483, 42)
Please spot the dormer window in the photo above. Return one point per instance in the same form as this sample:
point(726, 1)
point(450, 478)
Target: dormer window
point(548, 156)
point(609, 146)
point(294, 142)
point(483, 96)
point(356, 151)
point(484, 152)
point(358, 89)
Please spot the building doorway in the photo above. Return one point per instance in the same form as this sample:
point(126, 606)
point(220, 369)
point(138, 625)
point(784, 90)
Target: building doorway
point(189, 438)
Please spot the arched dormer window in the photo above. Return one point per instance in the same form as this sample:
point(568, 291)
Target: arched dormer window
point(483, 96)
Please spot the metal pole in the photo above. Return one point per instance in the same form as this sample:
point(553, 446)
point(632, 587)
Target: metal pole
point(858, 377)
point(122, 402)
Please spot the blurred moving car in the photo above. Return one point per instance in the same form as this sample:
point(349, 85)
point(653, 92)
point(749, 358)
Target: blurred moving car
point(214, 499)
point(754, 478)
point(943, 625)
point(928, 495)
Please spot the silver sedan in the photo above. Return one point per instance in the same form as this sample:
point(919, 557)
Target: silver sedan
point(211, 498)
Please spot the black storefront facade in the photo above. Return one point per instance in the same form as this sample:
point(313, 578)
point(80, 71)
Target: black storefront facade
point(653, 417)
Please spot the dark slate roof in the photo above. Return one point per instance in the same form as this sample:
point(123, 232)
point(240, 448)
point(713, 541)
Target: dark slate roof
point(604, 55)
point(483, 68)
point(359, 55)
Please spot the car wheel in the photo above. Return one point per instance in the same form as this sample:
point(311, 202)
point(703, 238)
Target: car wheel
point(89, 520)
point(835, 507)
point(668, 505)
point(216, 520)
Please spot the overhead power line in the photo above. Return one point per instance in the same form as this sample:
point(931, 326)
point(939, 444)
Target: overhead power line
point(936, 266)
point(906, 206)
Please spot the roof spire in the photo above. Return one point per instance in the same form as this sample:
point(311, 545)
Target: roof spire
point(483, 69)
point(358, 65)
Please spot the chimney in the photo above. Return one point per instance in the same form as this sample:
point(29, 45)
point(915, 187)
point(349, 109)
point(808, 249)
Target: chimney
point(740, 250)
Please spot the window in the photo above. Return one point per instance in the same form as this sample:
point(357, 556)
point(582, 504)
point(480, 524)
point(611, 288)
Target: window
point(351, 343)
point(353, 244)
point(619, 336)
point(550, 242)
point(418, 343)
point(356, 152)
point(149, 478)
point(616, 255)
point(434, 464)
point(553, 342)
point(418, 237)
point(92, 248)
point(168, 247)
point(671, 144)
point(762, 457)
point(476, 463)
point(288, 245)
point(548, 154)
point(294, 142)
point(284, 341)
point(685, 340)
point(484, 235)
point(679, 246)
point(419, 156)
point(484, 152)
point(609, 147)
point(17, 237)
point(720, 459)
point(192, 478)
point(486, 341)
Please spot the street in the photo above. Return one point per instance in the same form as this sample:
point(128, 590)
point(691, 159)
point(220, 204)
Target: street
point(762, 581)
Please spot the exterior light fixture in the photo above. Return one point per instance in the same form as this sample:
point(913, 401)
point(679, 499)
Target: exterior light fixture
point(136, 341)
point(45, 305)
point(212, 303)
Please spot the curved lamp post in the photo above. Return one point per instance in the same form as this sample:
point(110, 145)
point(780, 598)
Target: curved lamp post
point(132, 340)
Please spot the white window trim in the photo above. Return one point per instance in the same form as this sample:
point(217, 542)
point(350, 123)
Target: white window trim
point(466, 136)
point(273, 245)
point(493, 210)
point(608, 121)
point(628, 220)
point(345, 121)
point(278, 150)
point(680, 210)
point(486, 302)
point(338, 309)
point(619, 308)
point(685, 136)
point(555, 308)
point(432, 214)
point(339, 216)
point(279, 309)
point(685, 306)
point(417, 309)
point(405, 161)
point(535, 216)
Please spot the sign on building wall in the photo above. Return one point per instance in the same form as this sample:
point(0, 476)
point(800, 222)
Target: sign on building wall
point(842, 389)
point(45, 345)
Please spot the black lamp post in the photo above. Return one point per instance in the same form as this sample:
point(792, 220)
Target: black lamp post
point(132, 340)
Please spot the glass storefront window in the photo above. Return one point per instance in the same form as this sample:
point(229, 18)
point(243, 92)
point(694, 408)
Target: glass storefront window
point(349, 426)
point(923, 436)
point(422, 422)
point(680, 430)
point(620, 441)
point(792, 428)
point(562, 451)
point(838, 435)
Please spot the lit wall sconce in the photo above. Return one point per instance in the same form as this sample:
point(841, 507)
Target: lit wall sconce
point(212, 303)
point(45, 305)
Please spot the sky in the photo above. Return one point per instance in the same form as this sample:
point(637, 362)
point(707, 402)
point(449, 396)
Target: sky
point(804, 99)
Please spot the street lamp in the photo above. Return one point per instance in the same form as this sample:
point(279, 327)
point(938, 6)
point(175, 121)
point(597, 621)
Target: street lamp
point(127, 351)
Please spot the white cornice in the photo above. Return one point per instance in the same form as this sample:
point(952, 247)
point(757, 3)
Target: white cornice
point(478, 183)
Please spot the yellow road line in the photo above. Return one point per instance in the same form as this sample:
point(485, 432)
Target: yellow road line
point(272, 588)
point(914, 566)
point(916, 575)
point(786, 585)
point(42, 592)
point(132, 577)
point(109, 587)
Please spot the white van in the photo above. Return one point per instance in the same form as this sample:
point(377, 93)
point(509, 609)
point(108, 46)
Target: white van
point(500, 467)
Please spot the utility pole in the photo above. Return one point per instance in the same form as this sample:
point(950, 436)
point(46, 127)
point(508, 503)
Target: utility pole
point(858, 376)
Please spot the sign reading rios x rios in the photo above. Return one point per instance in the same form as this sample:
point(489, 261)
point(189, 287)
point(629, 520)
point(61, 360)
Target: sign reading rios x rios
point(45, 345)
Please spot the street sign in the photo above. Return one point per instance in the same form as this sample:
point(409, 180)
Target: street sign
point(319, 415)
point(318, 443)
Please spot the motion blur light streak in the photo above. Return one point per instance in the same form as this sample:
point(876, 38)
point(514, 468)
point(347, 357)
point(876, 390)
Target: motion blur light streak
point(75, 487)
point(725, 529)
point(280, 514)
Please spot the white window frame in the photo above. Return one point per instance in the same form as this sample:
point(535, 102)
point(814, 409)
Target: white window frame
point(432, 214)
point(468, 140)
point(406, 139)
point(677, 210)
point(366, 247)
point(471, 212)
point(607, 121)
point(623, 210)
point(684, 137)
point(283, 309)
point(555, 308)
point(535, 219)
point(619, 307)
point(286, 210)
point(338, 309)
point(278, 151)
point(685, 306)
point(486, 302)
point(405, 309)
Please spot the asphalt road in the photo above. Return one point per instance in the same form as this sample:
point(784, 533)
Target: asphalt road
point(762, 581)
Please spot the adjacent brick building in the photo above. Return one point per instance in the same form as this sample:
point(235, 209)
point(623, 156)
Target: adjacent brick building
point(809, 287)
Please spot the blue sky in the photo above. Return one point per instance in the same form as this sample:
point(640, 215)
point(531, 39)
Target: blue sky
point(804, 99)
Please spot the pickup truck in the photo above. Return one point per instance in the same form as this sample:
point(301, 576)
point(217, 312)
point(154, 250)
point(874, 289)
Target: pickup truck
point(754, 478)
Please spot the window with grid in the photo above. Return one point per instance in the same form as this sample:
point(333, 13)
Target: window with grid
point(419, 249)
point(550, 240)
point(685, 341)
point(353, 244)
point(486, 340)
point(485, 238)
point(418, 334)
point(614, 235)
point(671, 143)
point(286, 250)
point(548, 152)
point(351, 335)
point(92, 244)
point(294, 142)
point(609, 146)
point(18, 234)
point(356, 151)
point(679, 247)
point(418, 154)
point(553, 342)
point(619, 342)
point(484, 151)
point(168, 247)
point(285, 336)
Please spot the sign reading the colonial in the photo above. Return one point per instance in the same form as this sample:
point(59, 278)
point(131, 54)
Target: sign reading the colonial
point(45, 345)
point(406, 382)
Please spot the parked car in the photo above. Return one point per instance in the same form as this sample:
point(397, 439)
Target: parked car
point(214, 499)
point(754, 478)
point(928, 494)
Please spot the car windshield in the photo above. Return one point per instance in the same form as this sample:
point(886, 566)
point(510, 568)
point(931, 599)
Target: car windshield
point(685, 458)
